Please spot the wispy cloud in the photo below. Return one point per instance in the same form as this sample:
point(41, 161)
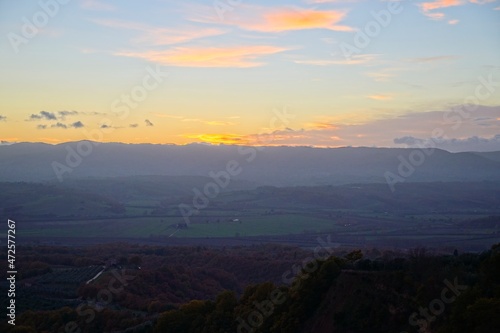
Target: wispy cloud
point(220, 138)
point(300, 19)
point(64, 114)
point(432, 59)
point(482, 2)
point(60, 115)
point(473, 143)
point(154, 36)
point(360, 59)
point(163, 115)
point(429, 8)
point(59, 125)
point(432, 9)
point(328, 1)
point(197, 120)
point(278, 19)
point(237, 56)
point(384, 74)
point(322, 126)
point(148, 123)
point(208, 122)
point(76, 124)
point(3, 118)
point(380, 97)
point(218, 123)
point(366, 131)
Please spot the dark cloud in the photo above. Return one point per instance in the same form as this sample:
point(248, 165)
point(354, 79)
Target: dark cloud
point(77, 124)
point(61, 115)
point(67, 113)
point(3, 118)
point(43, 115)
point(408, 140)
point(106, 126)
point(134, 125)
point(473, 143)
point(148, 123)
point(64, 114)
point(59, 125)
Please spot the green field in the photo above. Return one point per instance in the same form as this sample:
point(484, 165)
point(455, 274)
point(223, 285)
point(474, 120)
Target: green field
point(157, 226)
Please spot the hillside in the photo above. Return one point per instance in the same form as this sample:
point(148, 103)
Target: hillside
point(279, 166)
point(260, 289)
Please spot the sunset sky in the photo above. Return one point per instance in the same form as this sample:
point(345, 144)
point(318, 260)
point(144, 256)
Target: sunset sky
point(344, 73)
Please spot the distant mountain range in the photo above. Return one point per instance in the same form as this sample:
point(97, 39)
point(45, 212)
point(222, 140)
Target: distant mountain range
point(278, 166)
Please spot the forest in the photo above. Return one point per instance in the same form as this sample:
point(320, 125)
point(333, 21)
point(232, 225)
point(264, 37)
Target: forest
point(266, 288)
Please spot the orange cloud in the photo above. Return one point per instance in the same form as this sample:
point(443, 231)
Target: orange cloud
point(238, 56)
point(380, 76)
point(208, 122)
point(299, 19)
point(218, 123)
point(229, 139)
point(275, 19)
point(361, 129)
point(275, 138)
point(428, 8)
point(321, 125)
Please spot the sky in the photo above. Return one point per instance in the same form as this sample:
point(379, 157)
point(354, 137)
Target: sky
point(322, 73)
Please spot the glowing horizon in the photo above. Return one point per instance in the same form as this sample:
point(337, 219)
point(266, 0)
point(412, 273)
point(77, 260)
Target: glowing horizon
point(346, 73)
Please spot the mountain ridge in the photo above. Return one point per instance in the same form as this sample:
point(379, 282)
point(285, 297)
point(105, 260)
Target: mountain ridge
point(271, 165)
